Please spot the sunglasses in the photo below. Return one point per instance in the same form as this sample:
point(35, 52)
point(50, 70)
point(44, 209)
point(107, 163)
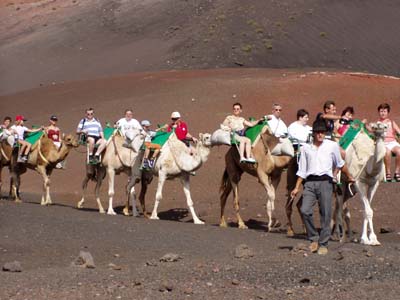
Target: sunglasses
point(278, 109)
point(174, 119)
point(89, 114)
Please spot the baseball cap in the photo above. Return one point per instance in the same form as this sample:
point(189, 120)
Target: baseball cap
point(20, 118)
point(54, 118)
point(175, 115)
point(145, 123)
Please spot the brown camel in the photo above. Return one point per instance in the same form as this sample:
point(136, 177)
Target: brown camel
point(5, 157)
point(268, 170)
point(43, 158)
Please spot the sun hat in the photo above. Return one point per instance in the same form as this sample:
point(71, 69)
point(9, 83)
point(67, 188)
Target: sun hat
point(54, 118)
point(145, 123)
point(20, 118)
point(175, 115)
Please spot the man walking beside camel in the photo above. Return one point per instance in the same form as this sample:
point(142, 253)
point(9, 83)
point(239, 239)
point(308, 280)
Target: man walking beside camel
point(315, 168)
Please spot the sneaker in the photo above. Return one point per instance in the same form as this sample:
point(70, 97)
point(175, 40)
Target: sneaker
point(313, 247)
point(59, 166)
point(193, 173)
point(152, 163)
point(20, 159)
point(322, 251)
point(251, 160)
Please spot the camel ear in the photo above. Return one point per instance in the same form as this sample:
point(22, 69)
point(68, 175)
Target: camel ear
point(63, 136)
point(200, 136)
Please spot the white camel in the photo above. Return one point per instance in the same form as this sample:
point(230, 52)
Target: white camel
point(176, 160)
point(364, 158)
point(116, 159)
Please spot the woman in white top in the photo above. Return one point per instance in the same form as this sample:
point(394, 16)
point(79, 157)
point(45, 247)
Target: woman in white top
point(236, 124)
point(299, 132)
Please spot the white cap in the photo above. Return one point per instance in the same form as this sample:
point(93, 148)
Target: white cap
point(175, 115)
point(145, 123)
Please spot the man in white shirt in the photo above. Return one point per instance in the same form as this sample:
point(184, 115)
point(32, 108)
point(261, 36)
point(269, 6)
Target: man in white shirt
point(315, 168)
point(275, 122)
point(299, 132)
point(128, 122)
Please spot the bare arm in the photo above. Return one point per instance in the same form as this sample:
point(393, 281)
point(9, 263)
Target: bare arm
point(252, 123)
point(297, 187)
point(396, 127)
point(330, 117)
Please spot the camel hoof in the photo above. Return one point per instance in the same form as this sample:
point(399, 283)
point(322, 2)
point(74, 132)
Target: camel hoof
point(199, 222)
point(154, 217)
point(146, 215)
point(79, 205)
point(365, 242)
point(111, 212)
point(102, 211)
point(43, 203)
point(290, 233)
point(126, 212)
point(375, 243)
point(243, 226)
point(135, 214)
point(18, 201)
point(223, 225)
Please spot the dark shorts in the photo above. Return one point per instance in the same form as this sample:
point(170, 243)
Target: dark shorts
point(96, 138)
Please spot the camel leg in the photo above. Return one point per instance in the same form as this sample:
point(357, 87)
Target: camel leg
point(14, 186)
point(111, 177)
point(142, 196)
point(289, 210)
point(227, 188)
point(161, 181)
point(298, 205)
point(236, 206)
point(372, 236)
point(84, 187)
point(42, 171)
point(99, 181)
point(186, 189)
point(347, 218)
point(132, 194)
point(264, 180)
point(48, 197)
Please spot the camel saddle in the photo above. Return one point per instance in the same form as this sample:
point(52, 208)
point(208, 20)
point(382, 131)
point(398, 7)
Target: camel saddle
point(354, 129)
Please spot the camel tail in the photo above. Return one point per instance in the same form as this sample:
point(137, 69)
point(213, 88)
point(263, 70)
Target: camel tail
point(224, 182)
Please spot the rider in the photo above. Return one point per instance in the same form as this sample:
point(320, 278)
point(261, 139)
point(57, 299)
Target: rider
point(92, 129)
point(330, 117)
point(276, 123)
point(127, 123)
point(53, 132)
point(299, 132)
point(181, 129)
point(391, 144)
point(149, 163)
point(20, 130)
point(6, 133)
point(236, 124)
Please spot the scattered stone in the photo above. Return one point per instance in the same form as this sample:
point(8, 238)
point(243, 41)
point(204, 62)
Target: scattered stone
point(137, 283)
point(116, 255)
point(215, 270)
point(85, 259)
point(368, 252)
point(188, 291)
point(260, 297)
point(170, 257)
point(151, 263)
point(386, 230)
point(14, 266)
point(305, 280)
point(300, 248)
point(339, 256)
point(243, 251)
point(166, 287)
point(235, 282)
point(289, 292)
point(114, 266)
point(209, 284)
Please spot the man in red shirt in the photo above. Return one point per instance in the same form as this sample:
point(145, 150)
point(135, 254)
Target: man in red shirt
point(181, 130)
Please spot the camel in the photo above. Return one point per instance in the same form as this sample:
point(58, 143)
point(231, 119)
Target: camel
point(43, 158)
point(6, 151)
point(365, 160)
point(177, 161)
point(116, 159)
point(268, 170)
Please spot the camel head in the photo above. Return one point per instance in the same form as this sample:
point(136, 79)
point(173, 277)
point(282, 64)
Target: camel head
point(378, 129)
point(205, 139)
point(136, 138)
point(70, 140)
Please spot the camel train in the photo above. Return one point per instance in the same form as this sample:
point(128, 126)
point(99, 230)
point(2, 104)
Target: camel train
point(364, 157)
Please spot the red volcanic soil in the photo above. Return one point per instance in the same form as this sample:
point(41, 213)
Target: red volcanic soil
point(204, 98)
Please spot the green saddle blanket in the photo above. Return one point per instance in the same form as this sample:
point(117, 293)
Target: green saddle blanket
point(252, 132)
point(33, 137)
point(161, 137)
point(355, 127)
point(108, 132)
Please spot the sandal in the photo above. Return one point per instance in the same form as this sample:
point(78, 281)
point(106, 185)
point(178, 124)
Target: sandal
point(388, 177)
point(397, 177)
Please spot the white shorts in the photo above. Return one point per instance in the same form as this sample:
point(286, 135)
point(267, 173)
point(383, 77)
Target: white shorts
point(391, 145)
